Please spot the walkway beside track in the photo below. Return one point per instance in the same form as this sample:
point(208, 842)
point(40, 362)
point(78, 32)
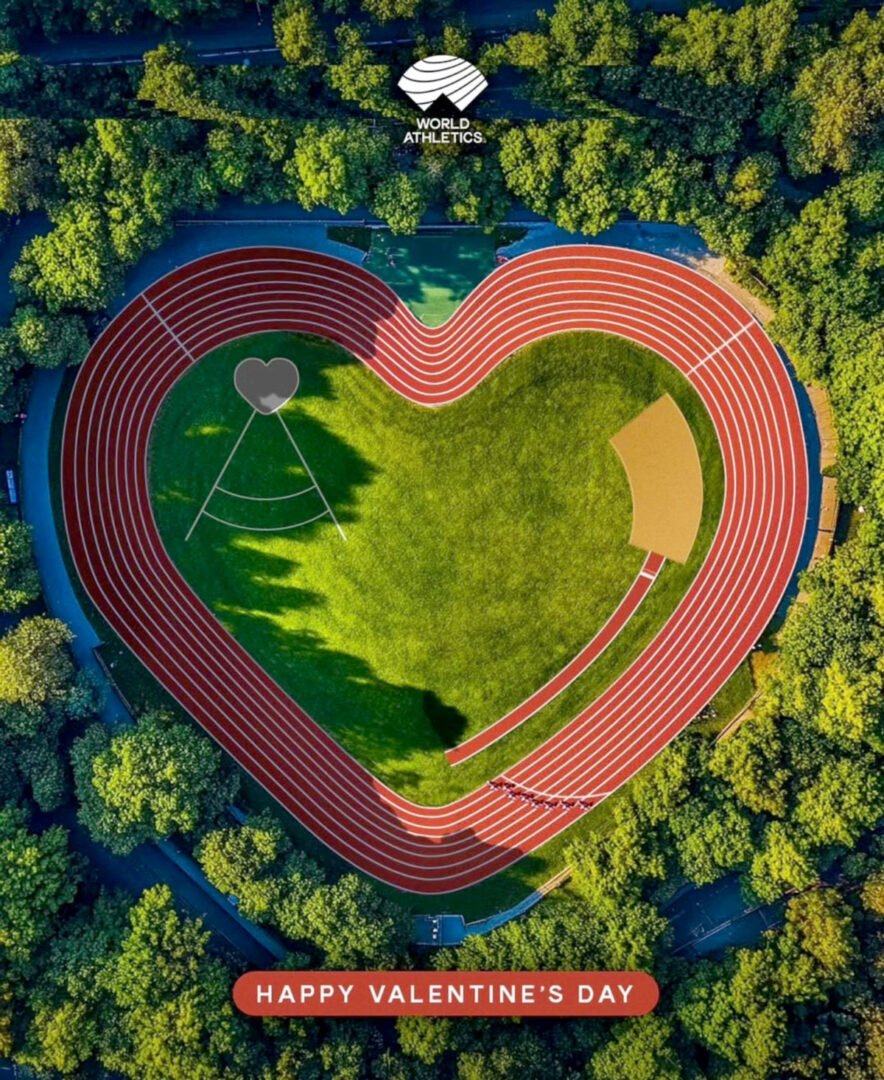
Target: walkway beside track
point(150, 863)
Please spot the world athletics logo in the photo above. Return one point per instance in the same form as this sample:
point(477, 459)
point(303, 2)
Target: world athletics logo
point(449, 77)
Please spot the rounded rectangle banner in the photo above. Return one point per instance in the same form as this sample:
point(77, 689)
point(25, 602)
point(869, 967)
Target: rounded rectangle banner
point(445, 993)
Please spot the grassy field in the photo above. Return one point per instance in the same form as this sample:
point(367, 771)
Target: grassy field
point(432, 274)
point(486, 541)
point(433, 271)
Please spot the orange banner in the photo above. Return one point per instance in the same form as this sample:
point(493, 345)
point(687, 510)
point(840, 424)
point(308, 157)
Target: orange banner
point(445, 993)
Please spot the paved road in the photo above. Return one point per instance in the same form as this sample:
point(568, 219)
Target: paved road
point(250, 35)
point(19, 233)
point(148, 866)
point(710, 918)
point(251, 38)
point(705, 920)
point(37, 509)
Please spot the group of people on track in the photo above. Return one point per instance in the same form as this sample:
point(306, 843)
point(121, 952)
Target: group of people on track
point(547, 802)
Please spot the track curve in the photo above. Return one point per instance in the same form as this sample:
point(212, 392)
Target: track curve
point(684, 317)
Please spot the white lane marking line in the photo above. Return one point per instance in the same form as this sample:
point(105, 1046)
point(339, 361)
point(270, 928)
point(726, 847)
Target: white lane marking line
point(224, 468)
point(425, 344)
point(494, 284)
point(272, 528)
point(309, 472)
point(410, 343)
point(266, 498)
point(169, 329)
point(723, 345)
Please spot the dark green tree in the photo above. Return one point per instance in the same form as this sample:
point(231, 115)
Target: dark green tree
point(74, 265)
point(353, 925)
point(356, 75)
point(35, 666)
point(641, 1049)
point(299, 34)
point(176, 1020)
point(254, 862)
point(837, 104)
point(145, 782)
point(817, 948)
point(19, 581)
point(752, 45)
point(247, 159)
point(400, 200)
point(40, 877)
point(50, 340)
point(27, 164)
point(338, 166)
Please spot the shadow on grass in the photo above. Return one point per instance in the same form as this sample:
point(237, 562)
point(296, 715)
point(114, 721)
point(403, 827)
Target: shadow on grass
point(261, 590)
point(448, 723)
point(320, 678)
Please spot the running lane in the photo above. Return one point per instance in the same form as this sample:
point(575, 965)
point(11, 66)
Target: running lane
point(703, 331)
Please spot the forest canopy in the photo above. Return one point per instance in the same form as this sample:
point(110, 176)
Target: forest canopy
point(760, 126)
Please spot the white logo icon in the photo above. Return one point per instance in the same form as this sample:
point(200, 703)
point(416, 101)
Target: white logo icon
point(443, 76)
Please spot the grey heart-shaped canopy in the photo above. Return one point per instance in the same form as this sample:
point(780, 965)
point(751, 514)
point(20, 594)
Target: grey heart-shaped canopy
point(266, 386)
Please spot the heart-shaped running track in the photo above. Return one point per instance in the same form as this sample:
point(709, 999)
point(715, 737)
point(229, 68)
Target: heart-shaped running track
point(686, 318)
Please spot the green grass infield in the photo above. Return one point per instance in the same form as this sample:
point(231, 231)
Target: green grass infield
point(486, 541)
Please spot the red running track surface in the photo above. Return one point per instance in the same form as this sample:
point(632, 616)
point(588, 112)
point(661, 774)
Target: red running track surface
point(687, 319)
